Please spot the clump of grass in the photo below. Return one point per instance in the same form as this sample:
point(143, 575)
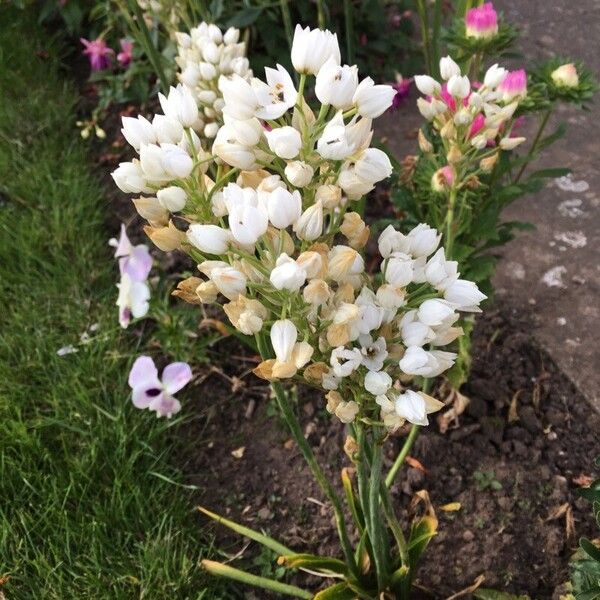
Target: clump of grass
point(85, 509)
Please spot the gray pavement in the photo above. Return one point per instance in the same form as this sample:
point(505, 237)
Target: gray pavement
point(554, 271)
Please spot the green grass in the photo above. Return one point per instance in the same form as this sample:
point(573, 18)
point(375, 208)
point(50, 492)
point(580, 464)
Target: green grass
point(82, 513)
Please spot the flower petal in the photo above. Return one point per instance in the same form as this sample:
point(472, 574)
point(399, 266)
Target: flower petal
point(165, 405)
point(175, 376)
point(143, 371)
point(146, 394)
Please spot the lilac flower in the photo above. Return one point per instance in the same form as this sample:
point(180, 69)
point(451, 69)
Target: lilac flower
point(402, 87)
point(153, 393)
point(98, 53)
point(481, 21)
point(126, 55)
point(135, 261)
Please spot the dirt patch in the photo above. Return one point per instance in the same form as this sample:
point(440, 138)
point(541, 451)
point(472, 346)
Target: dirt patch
point(508, 476)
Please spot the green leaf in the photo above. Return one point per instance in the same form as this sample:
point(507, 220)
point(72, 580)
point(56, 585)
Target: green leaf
point(355, 509)
point(590, 549)
point(553, 137)
point(487, 594)
point(311, 561)
point(480, 268)
point(421, 532)
point(549, 173)
point(221, 570)
point(265, 540)
point(338, 591)
point(245, 17)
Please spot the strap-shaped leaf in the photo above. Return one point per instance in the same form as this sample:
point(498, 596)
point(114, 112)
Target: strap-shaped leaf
point(265, 540)
point(311, 561)
point(339, 591)
point(221, 570)
point(355, 509)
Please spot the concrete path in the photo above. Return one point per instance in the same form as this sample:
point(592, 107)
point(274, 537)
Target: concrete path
point(554, 272)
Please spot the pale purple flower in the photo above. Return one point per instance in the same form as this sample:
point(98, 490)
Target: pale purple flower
point(481, 21)
point(135, 261)
point(126, 55)
point(157, 394)
point(97, 52)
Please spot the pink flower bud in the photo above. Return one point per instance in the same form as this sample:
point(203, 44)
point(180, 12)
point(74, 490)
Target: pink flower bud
point(481, 22)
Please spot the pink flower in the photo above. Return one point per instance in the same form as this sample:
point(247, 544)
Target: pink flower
point(477, 125)
point(402, 87)
point(514, 85)
point(126, 55)
point(153, 393)
point(98, 53)
point(135, 261)
point(481, 22)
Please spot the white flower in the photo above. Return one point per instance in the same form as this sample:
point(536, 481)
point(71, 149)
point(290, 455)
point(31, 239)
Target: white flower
point(276, 96)
point(423, 240)
point(166, 129)
point(317, 292)
point(284, 207)
point(345, 361)
point(372, 100)
point(285, 141)
point(210, 130)
point(426, 108)
point(427, 85)
point(417, 361)
point(459, 86)
point(448, 68)
point(565, 76)
point(391, 241)
point(371, 315)
point(399, 269)
point(229, 281)
point(377, 382)
point(439, 272)
point(415, 333)
point(299, 173)
point(336, 84)
point(373, 353)
point(373, 165)
point(494, 76)
point(354, 186)
point(248, 220)
point(309, 226)
point(173, 198)
point(130, 178)
point(434, 312)
point(343, 263)
point(465, 295)
point(283, 339)
point(227, 147)
point(209, 238)
point(239, 96)
point(411, 406)
point(312, 48)
point(180, 105)
point(333, 143)
point(133, 299)
point(176, 162)
point(287, 274)
point(138, 131)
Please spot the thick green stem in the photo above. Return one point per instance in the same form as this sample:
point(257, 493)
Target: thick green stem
point(536, 141)
point(410, 440)
point(321, 14)
point(349, 23)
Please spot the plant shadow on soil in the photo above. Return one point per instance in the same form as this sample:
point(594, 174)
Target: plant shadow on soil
point(508, 477)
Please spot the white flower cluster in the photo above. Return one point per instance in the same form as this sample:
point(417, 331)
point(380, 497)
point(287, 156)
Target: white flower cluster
point(266, 214)
point(204, 56)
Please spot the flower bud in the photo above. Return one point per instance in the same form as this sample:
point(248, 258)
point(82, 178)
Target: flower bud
point(176, 162)
point(130, 178)
point(229, 281)
point(299, 173)
point(494, 76)
point(283, 339)
point(138, 131)
point(565, 76)
point(372, 100)
point(173, 198)
point(167, 130)
point(344, 262)
point(448, 68)
point(151, 210)
point(180, 105)
point(424, 144)
point(284, 207)
point(434, 312)
point(427, 85)
point(373, 165)
point(287, 274)
point(329, 195)
point(488, 163)
point(285, 142)
point(167, 238)
point(454, 155)
point(442, 179)
point(211, 239)
point(459, 87)
point(316, 292)
point(310, 224)
point(377, 382)
point(336, 85)
point(481, 22)
point(509, 143)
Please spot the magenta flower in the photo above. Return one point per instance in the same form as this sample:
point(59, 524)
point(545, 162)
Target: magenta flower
point(481, 22)
point(402, 87)
point(97, 52)
point(514, 85)
point(477, 125)
point(126, 55)
point(135, 261)
point(153, 393)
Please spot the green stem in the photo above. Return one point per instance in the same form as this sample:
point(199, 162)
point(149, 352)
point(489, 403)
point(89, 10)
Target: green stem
point(410, 440)
point(437, 24)
point(424, 18)
point(321, 14)
point(536, 141)
point(349, 23)
point(287, 21)
point(386, 502)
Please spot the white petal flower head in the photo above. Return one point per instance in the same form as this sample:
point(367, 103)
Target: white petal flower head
point(448, 68)
point(411, 406)
point(285, 141)
point(415, 333)
point(427, 85)
point(130, 178)
point(138, 131)
point(284, 207)
point(434, 312)
point(373, 100)
point(211, 239)
point(336, 84)
point(333, 143)
point(173, 198)
point(133, 299)
point(494, 76)
point(309, 226)
point(227, 147)
point(176, 162)
point(180, 105)
point(417, 361)
point(248, 222)
point(439, 272)
point(373, 353)
point(424, 240)
point(465, 295)
point(378, 382)
point(229, 281)
point(299, 173)
point(399, 269)
point(459, 86)
point(312, 48)
point(283, 339)
point(345, 361)
point(354, 186)
point(391, 241)
point(239, 96)
point(276, 96)
point(343, 263)
point(287, 274)
point(373, 165)
point(167, 130)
